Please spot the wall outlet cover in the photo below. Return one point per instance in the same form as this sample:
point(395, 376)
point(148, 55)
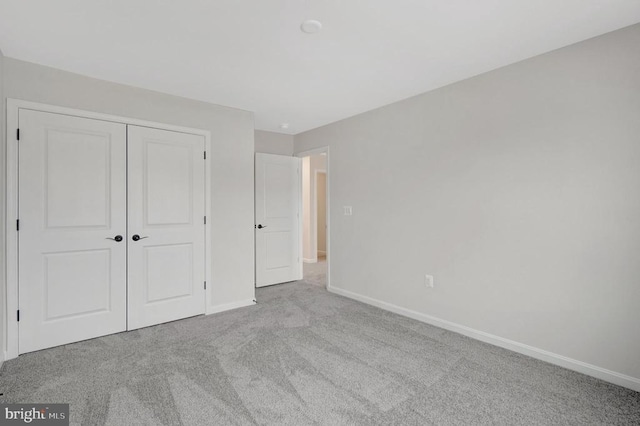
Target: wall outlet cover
point(428, 280)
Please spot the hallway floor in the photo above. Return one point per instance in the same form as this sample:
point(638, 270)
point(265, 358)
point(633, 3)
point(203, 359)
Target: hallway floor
point(315, 273)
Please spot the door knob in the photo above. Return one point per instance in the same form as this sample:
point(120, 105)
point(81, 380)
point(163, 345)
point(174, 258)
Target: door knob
point(261, 226)
point(137, 237)
point(117, 238)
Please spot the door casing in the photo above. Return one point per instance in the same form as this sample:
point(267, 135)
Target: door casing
point(11, 253)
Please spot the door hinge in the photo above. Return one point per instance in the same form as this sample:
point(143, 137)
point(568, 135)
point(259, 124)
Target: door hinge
point(205, 220)
point(205, 155)
point(18, 225)
point(18, 134)
point(205, 285)
point(18, 314)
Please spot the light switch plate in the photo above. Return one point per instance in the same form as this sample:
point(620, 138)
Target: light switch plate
point(348, 210)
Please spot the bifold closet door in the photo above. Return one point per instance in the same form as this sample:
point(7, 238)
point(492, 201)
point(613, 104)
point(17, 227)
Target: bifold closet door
point(72, 229)
point(166, 226)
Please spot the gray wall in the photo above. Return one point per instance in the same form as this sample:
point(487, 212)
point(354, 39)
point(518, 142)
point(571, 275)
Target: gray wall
point(517, 189)
point(231, 156)
point(273, 143)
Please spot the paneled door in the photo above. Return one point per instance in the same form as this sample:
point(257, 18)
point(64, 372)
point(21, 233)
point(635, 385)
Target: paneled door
point(72, 229)
point(166, 172)
point(277, 215)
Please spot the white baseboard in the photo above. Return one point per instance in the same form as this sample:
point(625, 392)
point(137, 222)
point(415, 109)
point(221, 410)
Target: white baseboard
point(314, 260)
point(228, 306)
point(550, 357)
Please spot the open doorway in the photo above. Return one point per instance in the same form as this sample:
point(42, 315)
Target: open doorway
point(315, 216)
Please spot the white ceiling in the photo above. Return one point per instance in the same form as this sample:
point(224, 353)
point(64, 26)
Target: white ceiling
point(251, 54)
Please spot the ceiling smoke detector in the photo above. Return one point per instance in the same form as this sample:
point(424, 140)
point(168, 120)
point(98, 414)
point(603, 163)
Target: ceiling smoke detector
point(311, 26)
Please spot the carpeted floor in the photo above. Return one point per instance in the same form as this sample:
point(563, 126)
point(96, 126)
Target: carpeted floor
point(306, 356)
point(316, 273)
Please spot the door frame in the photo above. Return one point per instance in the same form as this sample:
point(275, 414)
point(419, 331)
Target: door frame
point(327, 170)
point(11, 253)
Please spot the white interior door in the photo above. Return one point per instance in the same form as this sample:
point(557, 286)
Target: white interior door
point(277, 192)
point(72, 203)
point(166, 173)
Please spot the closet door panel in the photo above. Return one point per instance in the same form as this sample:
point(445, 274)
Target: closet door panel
point(72, 205)
point(166, 226)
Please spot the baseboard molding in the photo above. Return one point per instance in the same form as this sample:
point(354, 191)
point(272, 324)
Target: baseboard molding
point(229, 306)
point(305, 260)
point(541, 354)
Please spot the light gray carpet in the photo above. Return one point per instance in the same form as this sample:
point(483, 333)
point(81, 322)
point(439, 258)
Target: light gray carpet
point(316, 273)
point(306, 356)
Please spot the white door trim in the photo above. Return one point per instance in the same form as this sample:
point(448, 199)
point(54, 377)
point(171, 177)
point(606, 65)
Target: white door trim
point(11, 253)
point(308, 153)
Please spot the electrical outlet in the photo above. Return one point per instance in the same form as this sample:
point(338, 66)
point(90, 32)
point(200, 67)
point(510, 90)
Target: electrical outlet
point(428, 281)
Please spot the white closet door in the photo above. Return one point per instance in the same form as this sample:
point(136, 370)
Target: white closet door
point(72, 204)
point(166, 212)
point(277, 215)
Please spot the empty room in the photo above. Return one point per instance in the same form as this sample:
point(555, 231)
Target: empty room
point(326, 212)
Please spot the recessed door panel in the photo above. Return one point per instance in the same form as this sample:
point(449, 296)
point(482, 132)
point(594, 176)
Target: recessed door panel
point(90, 282)
point(168, 273)
point(166, 226)
point(169, 171)
point(278, 188)
point(278, 250)
point(72, 200)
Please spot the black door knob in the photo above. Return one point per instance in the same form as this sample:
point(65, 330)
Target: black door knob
point(261, 226)
point(137, 237)
point(117, 238)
